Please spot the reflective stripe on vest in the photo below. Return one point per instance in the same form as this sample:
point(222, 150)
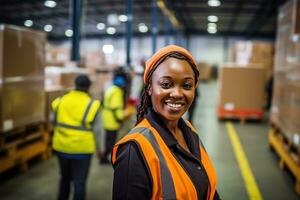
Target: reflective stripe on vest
point(83, 126)
point(166, 178)
point(170, 180)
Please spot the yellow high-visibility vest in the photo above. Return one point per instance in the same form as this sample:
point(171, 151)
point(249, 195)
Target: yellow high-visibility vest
point(74, 114)
point(113, 108)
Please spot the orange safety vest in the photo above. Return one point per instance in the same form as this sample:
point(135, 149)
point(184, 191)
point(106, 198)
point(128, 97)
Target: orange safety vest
point(170, 181)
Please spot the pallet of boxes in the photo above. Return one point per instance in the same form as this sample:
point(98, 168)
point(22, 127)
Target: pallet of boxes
point(22, 97)
point(242, 83)
point(284, 135)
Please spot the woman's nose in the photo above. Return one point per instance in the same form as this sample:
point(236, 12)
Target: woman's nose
point(176, 92)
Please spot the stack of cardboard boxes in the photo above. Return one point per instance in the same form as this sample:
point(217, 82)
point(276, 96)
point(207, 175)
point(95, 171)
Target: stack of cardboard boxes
point(57, 55)
point(285, 110)
point(254, 52)
point(242, 83)
point(22, 61)
point(241, 91)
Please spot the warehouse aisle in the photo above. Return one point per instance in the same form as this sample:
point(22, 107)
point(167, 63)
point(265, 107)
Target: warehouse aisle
point(40, 182)
point(273, 183)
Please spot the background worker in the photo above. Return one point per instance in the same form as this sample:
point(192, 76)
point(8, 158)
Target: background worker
point(113, 112)
point(163, 156)
point(76, 126)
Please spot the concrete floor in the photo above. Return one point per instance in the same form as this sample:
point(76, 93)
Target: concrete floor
point(41, 181)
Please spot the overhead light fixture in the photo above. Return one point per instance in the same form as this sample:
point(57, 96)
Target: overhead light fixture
point(214, 3)
point(48, 28)
point(110, 30)
point(100, 26)
point(28, 23)
point(108, 49)
point(212, 25)
point(211, 30)
point(123, 18)
point(212, 18)
point(69, 33)
point(142, 28)
point(50, 4)
point(112, 20)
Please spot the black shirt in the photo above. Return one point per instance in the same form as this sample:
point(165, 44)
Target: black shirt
point(132, 179)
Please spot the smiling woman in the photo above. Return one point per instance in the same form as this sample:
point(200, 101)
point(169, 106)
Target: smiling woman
point(162, 157)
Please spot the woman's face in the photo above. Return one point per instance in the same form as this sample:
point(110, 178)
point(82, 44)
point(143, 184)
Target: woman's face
point(173, 88)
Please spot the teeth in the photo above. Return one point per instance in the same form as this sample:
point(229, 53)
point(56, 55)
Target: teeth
point(174, 105)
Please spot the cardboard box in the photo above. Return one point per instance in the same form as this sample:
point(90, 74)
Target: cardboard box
point(57, 55)
point(254, 52)
point(22, 61)
point(94, 59)
point(241, 88)
point(62, 76)
point(205, 70)
point(289, 14)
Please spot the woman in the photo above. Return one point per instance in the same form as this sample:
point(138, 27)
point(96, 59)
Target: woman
point(162, 157)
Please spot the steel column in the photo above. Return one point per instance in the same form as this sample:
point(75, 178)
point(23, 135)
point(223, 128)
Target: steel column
point(154, 19)
point(76, 13)
point(128, 30)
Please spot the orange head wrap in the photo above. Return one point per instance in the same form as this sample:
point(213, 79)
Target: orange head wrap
point(151, 62)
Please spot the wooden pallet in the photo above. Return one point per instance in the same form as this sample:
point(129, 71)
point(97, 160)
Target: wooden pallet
point(21, 145)
point(288, 158)
point(240, 115)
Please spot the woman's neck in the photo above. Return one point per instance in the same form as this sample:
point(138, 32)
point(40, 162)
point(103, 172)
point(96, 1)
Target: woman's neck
point(172, 126)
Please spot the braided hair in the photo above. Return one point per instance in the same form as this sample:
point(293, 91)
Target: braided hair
point(145, 103)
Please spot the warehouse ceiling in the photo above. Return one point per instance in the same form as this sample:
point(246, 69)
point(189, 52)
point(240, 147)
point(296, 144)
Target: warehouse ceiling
point(252, 18)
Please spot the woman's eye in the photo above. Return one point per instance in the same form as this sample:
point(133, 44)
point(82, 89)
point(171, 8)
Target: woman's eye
point(165, 85)
point(187, 86)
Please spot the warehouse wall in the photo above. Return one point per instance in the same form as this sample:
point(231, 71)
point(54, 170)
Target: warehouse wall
point(207, 49)
point(213, 50)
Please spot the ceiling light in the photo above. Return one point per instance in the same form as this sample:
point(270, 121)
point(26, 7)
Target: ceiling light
point(48, 28)
point(50, 4)
point(212, 25)
point(142, 28)
point(28, 23)
point(211, 30)
point(100, 26)
point(212, 18)
point(214, 3)
point(110, 30)
point(123, 18)
point(69, 33)
point(112, 20)
point(108, 49)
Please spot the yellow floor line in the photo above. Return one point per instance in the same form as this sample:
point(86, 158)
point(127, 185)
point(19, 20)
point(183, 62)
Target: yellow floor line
point(251, 186)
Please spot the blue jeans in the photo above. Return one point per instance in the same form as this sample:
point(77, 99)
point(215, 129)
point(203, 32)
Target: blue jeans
point(73, 171)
